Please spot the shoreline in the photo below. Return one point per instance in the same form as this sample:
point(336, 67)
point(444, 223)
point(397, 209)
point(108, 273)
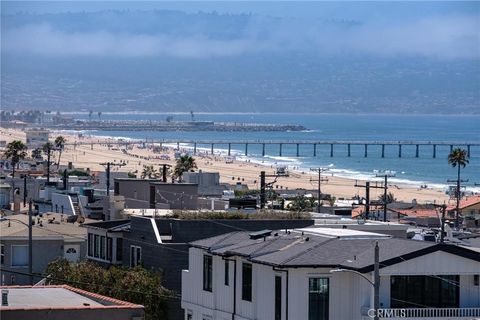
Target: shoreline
point(271, 161)
point(241, 170)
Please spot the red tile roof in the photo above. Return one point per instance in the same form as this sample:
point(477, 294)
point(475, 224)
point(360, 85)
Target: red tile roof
point(465, 203)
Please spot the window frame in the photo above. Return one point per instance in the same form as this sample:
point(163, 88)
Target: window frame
point(324, 313)
point(207, 273)
point(247, 286)
point(278, 297)
point(102, 247)
point(135, 256)
point(11, 251)
point(2, 254)
point(119, 250)
point(226, 270)
point(96, 246)
point(90, 244)
point(109, 248)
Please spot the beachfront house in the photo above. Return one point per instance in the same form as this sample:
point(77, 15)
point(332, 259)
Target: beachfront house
point(328, 274)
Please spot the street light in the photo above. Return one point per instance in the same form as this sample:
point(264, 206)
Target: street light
point(30, 238)
point(375, 283)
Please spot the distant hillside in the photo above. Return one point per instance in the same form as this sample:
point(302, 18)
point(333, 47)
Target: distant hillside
point(173, 61)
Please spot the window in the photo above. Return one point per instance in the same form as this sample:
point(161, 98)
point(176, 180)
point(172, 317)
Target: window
point(318, 298)
point(476, 277)
point(71, 250)
point(246, 281)
point(102, 247)
point(227, 273)
point(2, 255)
point(109, 248)
point(135, 256)
point(19, 256)
point(119, 249)
point(278, 298)
point(429, 291)
point(96, 246)
point(90, 245)
point(207, 272)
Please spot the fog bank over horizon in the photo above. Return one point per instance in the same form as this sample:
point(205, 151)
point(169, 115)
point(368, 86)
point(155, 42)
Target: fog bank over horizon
point(407, 57)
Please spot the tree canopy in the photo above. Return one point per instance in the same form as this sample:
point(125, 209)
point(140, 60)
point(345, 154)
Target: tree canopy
point(135, 285)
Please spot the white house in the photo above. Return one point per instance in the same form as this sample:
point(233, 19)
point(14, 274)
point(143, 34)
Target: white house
point(283, 275)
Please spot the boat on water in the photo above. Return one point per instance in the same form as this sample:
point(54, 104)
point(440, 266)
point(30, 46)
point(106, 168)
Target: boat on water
point(383, 173)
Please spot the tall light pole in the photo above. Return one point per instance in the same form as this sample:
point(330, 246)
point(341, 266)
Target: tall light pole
point(376, 279)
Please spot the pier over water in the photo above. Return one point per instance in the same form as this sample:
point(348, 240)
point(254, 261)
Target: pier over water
point(305, 147)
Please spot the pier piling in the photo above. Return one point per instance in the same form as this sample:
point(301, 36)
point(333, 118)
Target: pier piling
point(246, 149)
point(451, 148)
point(468, 151)
point(348, 149)
point(195, 148)
point(331, 150)
point(281, 146)
point(366, 151)
point(399, 150)
point(314, 149)
point(416, 151)
point(434, 151)
point(298, 150)
point(211, 150)
point(383, 151)
point(229, 148)
point(263, 149)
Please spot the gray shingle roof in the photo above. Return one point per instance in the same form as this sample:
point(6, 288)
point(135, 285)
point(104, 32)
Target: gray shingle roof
point(297, 250)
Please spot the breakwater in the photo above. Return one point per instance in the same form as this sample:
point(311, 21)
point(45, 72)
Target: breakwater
point(135, 125)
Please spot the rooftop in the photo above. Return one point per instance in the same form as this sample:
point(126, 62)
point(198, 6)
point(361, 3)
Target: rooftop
point(58, 297)
point(48, 225)
point(323, 247)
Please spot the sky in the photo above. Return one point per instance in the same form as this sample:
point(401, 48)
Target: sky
point(444, 30)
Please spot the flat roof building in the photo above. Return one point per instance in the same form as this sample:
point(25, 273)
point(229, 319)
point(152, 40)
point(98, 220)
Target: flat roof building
point(63, 302)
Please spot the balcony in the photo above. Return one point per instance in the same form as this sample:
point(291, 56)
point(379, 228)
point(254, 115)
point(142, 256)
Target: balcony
point(424, 313)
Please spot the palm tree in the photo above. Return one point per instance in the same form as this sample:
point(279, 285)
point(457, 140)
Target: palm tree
point(36, 153)
point(184, 164)
point(390, 198)
point(16, 151)
point(458, 158)
point(59, 145)
point(149, 171)
point(47, 149)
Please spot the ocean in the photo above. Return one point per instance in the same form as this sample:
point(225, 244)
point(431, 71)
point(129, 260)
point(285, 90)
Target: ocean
point(409, 169)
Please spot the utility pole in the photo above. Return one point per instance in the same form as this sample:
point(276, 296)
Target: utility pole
point(442, 228)
point(165, 167)
point(49, 151)
point(108, 165)
point(24, 190)
point(376, 282)
point(367, 187)
point(320, 180)
point(262, 189)
point(385, 188)
point(30, 242)
point(458, 196)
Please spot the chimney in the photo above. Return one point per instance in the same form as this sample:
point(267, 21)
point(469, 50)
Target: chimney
point(4, 298)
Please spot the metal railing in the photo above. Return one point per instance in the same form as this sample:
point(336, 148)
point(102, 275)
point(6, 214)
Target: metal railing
point(417, 313)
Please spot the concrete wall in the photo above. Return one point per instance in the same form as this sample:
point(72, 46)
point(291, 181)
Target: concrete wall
point(62, 203)
point(177, 195)
point(208, 182)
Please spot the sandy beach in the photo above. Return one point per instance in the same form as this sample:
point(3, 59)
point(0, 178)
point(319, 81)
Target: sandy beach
point(88, 155)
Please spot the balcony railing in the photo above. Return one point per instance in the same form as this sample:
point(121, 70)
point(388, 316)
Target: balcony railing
point(425, 313)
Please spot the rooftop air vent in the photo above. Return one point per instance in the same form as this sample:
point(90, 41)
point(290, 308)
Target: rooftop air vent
point(260, 234)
